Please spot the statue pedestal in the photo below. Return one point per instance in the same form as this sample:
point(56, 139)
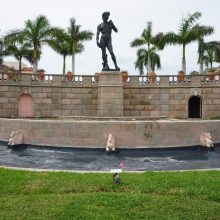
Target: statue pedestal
point(110, 94)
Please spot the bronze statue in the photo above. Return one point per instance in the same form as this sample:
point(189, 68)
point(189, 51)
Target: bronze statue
point(106, 40)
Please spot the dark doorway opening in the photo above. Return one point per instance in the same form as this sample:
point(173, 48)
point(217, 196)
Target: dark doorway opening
point(195, 107)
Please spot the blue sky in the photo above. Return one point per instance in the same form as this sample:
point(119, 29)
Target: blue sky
point(129, 17)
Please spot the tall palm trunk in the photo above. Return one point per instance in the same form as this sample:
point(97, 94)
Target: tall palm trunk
point(73, 63)
point(201, 54)
point(200, 61)
point(73, 57)
point(64, 64)
point(201, 67)
point(20, 64)
point(149, 69)
point(184, 59)
point(35, 64)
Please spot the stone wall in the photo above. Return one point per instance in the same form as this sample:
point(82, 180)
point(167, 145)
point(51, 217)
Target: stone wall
point(50, 97)
point(144, 101)
point(168, 102)
point(211, 101)
point(168, 97)
point(128, 134)
point(165, 96)
point(110, 95)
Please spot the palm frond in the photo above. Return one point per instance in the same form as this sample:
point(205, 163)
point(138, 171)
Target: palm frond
point(29, 56)
point(85, 35)
point(80, 48)
point(157, 40)
point(197, 32)
point(147, 33)
point(12, 36)
point(141, 51)
point(170, 38)
point(137, 42)
point(188, 22)
point(142, 59)
point(155, 61)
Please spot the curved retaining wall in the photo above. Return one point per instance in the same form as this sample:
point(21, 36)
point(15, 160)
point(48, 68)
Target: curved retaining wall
point(128, 134)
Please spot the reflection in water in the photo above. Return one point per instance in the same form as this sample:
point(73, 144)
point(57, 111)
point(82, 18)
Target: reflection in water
point(98, 159)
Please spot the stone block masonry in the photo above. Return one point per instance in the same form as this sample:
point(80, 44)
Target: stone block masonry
point(94, 133)
point(110, 94)
point(110, 97)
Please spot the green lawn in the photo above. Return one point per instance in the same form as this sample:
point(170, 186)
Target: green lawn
point(151, 195)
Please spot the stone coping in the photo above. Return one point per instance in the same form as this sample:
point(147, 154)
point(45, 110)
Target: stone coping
point(105, 172)
point(111, 119)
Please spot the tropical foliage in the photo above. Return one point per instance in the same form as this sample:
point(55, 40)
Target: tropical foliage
point(74, 37)
point(142, 59)
point(211, 53)
point(61, 46)
point(69, 42)
point(152, 43)
point(1, 51)
point(189, 31)
point(36, 33)
point(17, 47)
point(28, 42)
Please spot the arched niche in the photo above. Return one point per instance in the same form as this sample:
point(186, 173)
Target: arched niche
point(195, 107)
point(25, 106)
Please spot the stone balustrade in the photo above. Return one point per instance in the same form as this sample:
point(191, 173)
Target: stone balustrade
point(49, 80)
point(89, 80)
point(172, 80)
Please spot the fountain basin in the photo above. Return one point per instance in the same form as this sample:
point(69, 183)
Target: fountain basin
point(96, 159)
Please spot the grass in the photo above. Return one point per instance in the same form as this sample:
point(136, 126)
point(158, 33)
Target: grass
point(151, 195)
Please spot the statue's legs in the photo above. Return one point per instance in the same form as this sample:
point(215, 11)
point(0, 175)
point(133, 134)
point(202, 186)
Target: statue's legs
point(104, 55)
point(110, 49)
point(104, 58)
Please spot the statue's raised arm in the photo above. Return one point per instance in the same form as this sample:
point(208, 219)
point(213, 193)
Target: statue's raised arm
point(105, 41)
point(113, 26)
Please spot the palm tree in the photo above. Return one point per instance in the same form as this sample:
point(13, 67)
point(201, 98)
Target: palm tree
point(3, 50)
point(188, 32)
point(148, 39)
point(36, 33)
point(211, 53)
point(75, 39)
point(17, 52)
point(61, 45)
point(17, 47)
point(208, 52)
point(142, 59)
